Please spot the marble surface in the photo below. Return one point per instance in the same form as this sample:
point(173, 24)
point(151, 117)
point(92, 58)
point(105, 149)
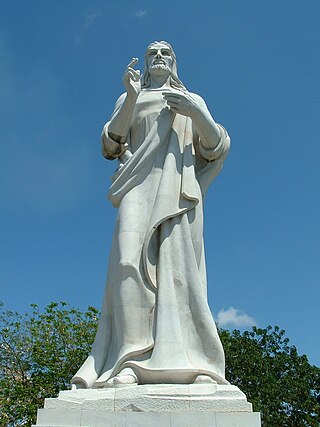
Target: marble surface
point(156, 325)
point(146, 405)
point(155, 398)
point(157, 359)
point(138, 419)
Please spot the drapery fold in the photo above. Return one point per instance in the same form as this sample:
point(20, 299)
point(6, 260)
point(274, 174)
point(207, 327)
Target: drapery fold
point(155, 317)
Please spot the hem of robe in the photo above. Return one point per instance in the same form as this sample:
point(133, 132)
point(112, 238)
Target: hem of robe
point(165, 376)
point(187, 201)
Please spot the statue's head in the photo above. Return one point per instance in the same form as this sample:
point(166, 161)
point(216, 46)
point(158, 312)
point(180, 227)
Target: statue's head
point(160, 58)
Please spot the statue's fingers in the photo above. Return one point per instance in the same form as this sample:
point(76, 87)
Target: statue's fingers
point(172, 99)
point(132, 70)
point(133, 62)
point(172, 95)
point(174, 109)
point(128, 75)
point(135, 73)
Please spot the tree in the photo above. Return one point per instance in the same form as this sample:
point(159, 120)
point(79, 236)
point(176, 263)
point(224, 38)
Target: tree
point(40, 351)
point(282, 385)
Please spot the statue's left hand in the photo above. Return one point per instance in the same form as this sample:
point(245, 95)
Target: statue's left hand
point(182, 103)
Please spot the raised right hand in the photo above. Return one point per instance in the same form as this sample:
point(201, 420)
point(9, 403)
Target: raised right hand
point(131, 78)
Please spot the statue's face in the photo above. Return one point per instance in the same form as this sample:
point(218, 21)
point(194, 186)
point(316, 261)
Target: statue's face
point(159, 59)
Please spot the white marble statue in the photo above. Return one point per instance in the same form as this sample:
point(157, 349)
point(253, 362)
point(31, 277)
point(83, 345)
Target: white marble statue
point(156, 325)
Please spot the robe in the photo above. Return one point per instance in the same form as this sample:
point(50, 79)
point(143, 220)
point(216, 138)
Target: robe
point(155, 317)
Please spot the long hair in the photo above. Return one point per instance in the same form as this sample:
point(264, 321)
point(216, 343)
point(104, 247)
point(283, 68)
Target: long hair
point(175, 82)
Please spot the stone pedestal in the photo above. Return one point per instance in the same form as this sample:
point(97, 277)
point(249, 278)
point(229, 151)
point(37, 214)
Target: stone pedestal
point(163, 405)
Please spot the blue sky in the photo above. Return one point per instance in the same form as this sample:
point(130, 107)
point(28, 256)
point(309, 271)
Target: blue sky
point(256, 63)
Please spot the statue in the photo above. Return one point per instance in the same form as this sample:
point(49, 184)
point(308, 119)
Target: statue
point(156, 326)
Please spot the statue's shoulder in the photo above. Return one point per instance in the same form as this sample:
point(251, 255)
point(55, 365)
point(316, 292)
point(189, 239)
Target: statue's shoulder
point(121, 99)
point(198, 98)
point(118, 103)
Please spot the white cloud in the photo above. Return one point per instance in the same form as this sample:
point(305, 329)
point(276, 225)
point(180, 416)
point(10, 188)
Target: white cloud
point(77, 39)
point(141, 13)
point(90, 18)
point(235, 318)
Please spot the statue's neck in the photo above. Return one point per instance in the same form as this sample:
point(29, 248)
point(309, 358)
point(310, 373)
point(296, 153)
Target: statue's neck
point(160, 81)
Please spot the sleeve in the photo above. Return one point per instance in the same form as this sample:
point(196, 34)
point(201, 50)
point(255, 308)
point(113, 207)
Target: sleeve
point(203, 135)
point(110, 148)
point(220, 150)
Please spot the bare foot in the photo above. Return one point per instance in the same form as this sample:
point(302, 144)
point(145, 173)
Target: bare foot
point(204, 379)
point(78, 385)
point(124, 377)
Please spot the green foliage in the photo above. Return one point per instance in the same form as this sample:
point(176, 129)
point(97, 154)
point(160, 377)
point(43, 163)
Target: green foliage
point(279, 383)
point(39, 353)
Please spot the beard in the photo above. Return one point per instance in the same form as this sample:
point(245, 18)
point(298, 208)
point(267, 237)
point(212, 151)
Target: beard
point(159, 69)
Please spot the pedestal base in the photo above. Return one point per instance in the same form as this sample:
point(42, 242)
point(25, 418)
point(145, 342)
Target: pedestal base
point(163, 405)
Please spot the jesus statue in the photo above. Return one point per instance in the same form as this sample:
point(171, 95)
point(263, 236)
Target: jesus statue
point(156, 325)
